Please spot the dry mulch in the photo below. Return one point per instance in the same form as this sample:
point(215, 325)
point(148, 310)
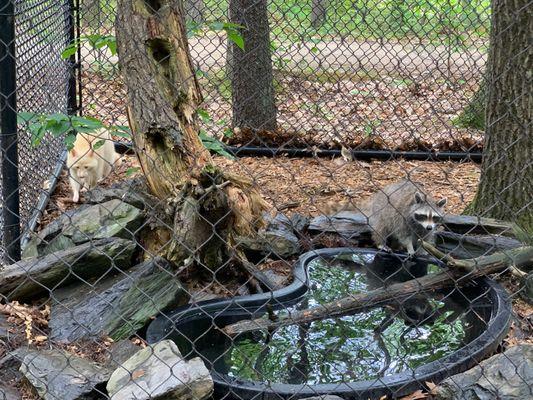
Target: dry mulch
point(312, 186)
point(378, 113)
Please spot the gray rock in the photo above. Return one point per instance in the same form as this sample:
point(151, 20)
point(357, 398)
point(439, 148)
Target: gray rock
point(119, 352)
point(118, 305)
point(9, 393)
point(129, 191)
point(160, 372)
point(504, 376)
point(29, 279)
point(9, 366)
point(527, 288)
point(114, 218)
point(4, 328)
point(56, 374)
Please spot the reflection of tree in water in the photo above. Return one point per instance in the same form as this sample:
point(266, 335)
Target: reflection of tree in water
point(378, 342)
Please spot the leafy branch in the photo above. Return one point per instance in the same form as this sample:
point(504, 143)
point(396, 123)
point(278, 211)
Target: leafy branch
point(98, 41)
point(59, 124)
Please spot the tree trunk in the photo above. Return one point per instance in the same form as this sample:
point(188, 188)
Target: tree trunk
point(194, 10)
point(251, 69)
point(506, 185)
point(318, 13)
point(203, 210)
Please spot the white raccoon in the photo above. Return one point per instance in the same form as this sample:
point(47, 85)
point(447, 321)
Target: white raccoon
point(401, 214)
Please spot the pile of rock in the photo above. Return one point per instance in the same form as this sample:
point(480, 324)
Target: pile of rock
point(154, 372)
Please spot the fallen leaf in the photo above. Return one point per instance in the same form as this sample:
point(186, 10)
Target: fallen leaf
point(137, 373)
point(419, 394)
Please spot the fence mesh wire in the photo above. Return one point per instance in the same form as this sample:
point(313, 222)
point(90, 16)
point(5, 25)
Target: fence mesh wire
point(191, 272)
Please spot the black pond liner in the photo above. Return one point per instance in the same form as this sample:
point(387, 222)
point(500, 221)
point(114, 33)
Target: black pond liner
point(167, 326)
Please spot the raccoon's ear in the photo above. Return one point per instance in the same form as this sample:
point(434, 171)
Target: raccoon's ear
point(442, 202)
point(73, 153)
point(418, 198)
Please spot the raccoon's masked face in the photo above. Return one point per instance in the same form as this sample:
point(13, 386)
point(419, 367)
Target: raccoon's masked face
point(426, 215)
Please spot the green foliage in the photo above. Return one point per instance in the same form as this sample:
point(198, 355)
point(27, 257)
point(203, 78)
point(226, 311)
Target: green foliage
point(233, 31)
point(59, 124)
point(96, 41)
point(456, 20)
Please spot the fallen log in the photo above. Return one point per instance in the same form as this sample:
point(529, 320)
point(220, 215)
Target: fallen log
point(458, 273)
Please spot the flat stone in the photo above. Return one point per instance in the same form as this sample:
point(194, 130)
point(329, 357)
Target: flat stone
point(119, 352)
point(114, 218)
point(9, 392)
point(129, 191)
point(160, 372)
point(118, 305)
point(504, 376)
point(29, 279)
point(56, 374)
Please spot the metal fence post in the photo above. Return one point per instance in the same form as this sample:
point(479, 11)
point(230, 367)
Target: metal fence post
point(73, 102)
point(8, 132)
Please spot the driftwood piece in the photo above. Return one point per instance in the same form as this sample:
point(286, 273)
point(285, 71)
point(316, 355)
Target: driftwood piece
point(455, 275)
point(32, 278)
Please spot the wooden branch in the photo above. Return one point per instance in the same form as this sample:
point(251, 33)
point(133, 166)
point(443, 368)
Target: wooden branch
point(456, 276)
point(256, 274)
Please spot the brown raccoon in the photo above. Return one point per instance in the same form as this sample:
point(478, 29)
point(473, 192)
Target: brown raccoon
point(401, 214)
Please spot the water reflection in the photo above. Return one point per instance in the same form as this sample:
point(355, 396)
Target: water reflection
point(377, 342)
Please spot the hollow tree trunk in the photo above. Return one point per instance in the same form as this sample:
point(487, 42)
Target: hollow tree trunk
point(506, 186)
point(250, 70)
point(204, 209)
point(318, 12)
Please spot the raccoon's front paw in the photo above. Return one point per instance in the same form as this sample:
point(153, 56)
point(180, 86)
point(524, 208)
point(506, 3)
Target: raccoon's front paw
point(385, 248)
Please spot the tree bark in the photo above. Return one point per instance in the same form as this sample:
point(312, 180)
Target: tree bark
point(318, 13)
point(455, 276)
point(506, 185)
point(203, 209)
point(250, 70)
point(194, 10)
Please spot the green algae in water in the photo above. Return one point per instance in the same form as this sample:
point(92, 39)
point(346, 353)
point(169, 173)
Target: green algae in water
point(347, 348)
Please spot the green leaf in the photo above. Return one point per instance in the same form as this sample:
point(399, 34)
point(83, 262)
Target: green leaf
point(236, 38)
point(69, 141)
point(69, 51)
point(216, 25)
point(130, 171)
point(25, 117)
point(98, 144)
point(204, 115)
point(228, 132)
point(120, 131)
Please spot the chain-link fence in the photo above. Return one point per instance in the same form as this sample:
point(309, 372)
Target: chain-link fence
point(36, 81)
point(370, 255)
